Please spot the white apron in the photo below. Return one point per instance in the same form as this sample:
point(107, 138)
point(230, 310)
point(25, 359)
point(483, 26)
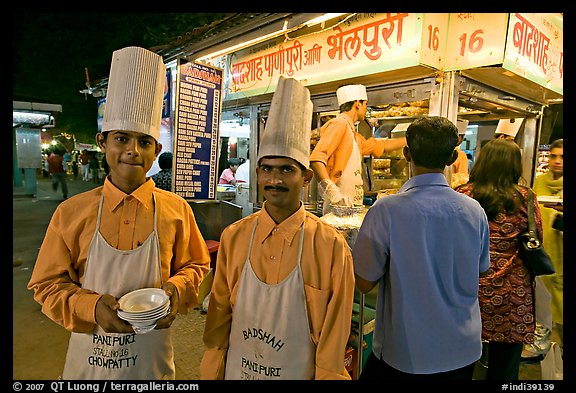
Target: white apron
point(121, 356)
point(350, 183)
point(270, 333)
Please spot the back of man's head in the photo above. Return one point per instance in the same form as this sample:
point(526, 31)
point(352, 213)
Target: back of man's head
point(165, 160)
point(432, 141)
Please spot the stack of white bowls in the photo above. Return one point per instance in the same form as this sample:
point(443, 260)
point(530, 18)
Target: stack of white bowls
point(142, 308)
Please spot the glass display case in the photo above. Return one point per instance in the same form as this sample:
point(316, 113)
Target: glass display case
point(389, 172)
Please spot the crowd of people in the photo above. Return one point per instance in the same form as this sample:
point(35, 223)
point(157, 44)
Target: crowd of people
point(444, 259)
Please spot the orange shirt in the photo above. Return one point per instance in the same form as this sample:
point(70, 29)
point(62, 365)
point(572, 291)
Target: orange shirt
point(334, 148)
point(461, 163)
point(328, 275)
point(127, 220)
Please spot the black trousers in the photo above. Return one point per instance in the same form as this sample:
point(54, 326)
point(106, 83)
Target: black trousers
point(503, 361)
point(376, 369)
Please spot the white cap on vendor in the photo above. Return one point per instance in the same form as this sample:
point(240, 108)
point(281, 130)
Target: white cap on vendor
point(135, 93)
point(509, 126)
point(351, 93)
point(462, 125)
point(287, 131)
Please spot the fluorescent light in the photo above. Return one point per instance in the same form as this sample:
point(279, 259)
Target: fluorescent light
point(321, 19)
point(257, 40)
point(246, 44)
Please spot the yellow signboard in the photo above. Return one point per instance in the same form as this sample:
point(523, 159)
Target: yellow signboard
point(475, 40)
point(434, 37)
point(535, 49)
point(529, 45)
point(361, 45)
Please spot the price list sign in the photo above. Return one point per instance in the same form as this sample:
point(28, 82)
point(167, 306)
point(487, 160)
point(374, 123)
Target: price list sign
point(197, 120)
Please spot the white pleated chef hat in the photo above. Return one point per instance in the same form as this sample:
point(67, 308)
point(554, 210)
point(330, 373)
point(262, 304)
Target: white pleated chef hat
point(351, 93)
point(462, 125)
point(287, 130)
point(135, 95)
point(509, 126)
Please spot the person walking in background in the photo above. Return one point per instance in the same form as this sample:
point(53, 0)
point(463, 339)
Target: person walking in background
point(75, 164)
point(67, 160)
point(506, 291)
point(85, 165)
point(120, 237)
point(281, 301)
point(551, 183)
point(163, 179)
point(228, 175)
point(57, 170)
point(337, 157)
point(425, 247)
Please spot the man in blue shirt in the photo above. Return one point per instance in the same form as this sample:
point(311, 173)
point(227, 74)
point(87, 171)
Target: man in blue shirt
point(426, 247)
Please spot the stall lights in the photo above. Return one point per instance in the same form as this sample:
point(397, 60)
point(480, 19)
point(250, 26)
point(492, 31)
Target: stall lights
point(246, 44)
point(322, 19)
point(284, 30)
point(32, 118)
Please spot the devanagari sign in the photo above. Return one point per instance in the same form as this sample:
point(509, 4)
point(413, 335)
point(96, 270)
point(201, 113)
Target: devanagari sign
point(362, 45)
point(535, 49)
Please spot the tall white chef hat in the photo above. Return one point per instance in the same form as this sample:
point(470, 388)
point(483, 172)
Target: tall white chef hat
point(509, 126)
point(135, 92)
point(287, 131)
point(351, 93)
point(462, 125)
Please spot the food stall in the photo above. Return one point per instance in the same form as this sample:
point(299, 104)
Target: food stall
point(479, 67)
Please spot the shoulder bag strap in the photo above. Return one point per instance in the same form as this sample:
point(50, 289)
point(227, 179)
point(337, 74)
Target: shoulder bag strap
point(530, 211)
point(531, 222)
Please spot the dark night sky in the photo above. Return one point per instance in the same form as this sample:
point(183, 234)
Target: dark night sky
point(51, 50)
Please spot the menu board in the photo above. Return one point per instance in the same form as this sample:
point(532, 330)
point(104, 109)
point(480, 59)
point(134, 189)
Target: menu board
point(196, 130)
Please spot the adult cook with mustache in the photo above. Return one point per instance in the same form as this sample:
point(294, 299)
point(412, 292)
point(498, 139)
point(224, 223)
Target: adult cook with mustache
point(281, 300)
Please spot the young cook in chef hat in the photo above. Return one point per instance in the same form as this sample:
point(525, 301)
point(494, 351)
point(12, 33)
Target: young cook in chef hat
point(287, 130)
point(134, 100)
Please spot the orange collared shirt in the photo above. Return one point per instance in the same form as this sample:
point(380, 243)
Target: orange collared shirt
point(126, 222)
point(328, 275)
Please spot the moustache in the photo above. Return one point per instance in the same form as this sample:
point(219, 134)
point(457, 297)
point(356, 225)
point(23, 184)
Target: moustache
point(275, 188)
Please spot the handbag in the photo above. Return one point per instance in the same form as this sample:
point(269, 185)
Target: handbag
point(535, 258)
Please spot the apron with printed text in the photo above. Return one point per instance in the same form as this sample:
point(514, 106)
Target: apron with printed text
point(350, 183)
point(121, 356)
point(270, 333)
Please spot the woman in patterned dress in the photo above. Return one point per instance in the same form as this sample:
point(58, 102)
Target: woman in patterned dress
point(506, 292)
